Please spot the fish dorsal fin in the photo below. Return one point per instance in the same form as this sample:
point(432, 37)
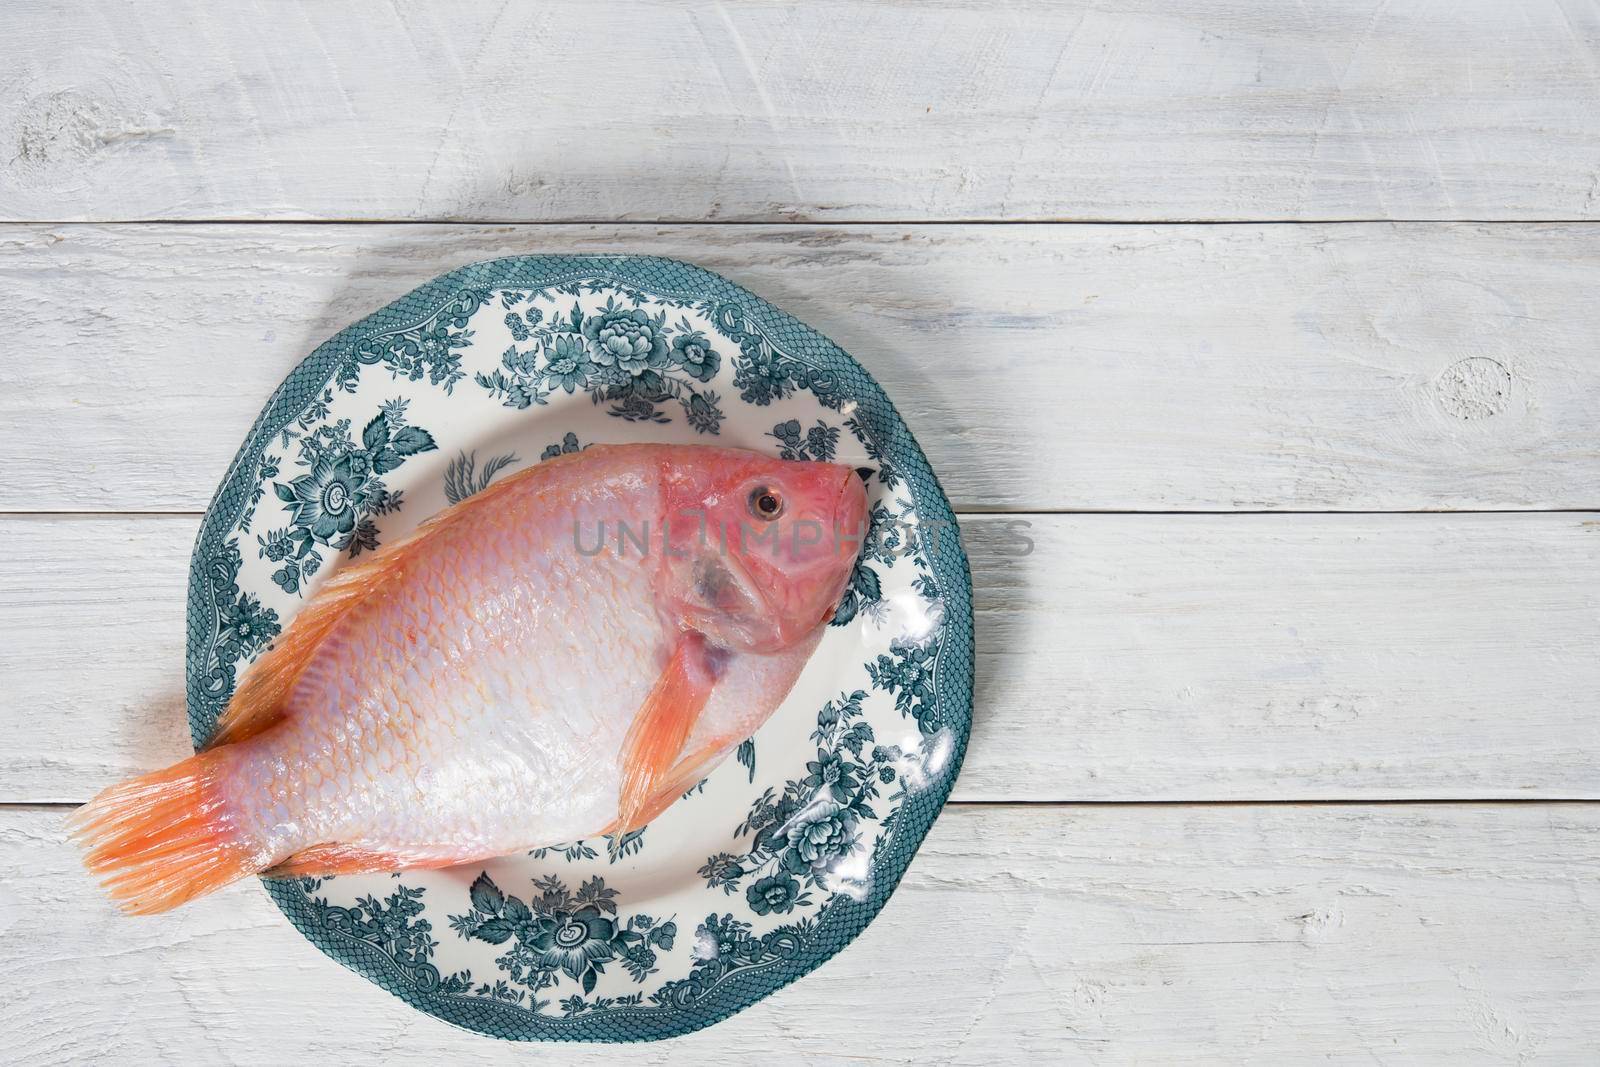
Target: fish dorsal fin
point(259, 701)
point(662, 725)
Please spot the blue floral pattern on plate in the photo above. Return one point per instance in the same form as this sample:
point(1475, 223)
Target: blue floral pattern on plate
point(782, 855)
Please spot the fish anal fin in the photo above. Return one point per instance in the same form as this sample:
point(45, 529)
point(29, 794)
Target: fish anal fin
point(336, 857)
point(660, 728)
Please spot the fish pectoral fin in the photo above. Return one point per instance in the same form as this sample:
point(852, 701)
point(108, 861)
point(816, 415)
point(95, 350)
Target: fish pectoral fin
point(661, 727)
point(683, 776)
point(336, 857)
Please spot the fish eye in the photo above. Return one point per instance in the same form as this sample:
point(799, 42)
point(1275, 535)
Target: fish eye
point(766, 503)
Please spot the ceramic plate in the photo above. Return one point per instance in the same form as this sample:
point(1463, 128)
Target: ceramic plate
point(781, 856)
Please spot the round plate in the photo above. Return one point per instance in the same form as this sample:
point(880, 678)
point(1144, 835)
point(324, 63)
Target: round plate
point(781, 856)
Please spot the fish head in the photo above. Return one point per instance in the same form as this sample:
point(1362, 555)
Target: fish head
point(761, 549)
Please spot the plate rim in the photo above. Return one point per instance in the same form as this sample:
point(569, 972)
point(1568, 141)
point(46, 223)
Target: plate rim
point(840, 920)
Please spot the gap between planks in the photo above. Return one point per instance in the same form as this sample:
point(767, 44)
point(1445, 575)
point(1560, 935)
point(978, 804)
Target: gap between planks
point(1088, 805)
point(977, 511)
point(223, 220)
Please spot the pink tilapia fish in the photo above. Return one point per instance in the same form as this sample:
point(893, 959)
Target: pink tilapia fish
point(561, 655)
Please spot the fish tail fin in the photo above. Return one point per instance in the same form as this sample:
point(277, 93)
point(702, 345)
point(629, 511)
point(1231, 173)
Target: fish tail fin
point(163, 838)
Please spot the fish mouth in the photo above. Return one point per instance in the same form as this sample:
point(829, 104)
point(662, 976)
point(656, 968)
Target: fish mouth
point(849, 528)
point(850, 512)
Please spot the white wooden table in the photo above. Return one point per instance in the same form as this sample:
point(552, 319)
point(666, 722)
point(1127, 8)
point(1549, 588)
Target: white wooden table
point(1279, 323)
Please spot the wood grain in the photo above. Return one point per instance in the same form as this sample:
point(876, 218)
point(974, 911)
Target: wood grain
point(1133, 369)
point(848, 109)
point(1043, 367)
point(1127, 658)
point(1284, 935)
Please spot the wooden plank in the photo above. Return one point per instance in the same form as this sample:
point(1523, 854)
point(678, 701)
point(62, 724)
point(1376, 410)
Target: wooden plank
point(1150, 934)
point(1127, 658)
point(845, 110)
point(1043, 367)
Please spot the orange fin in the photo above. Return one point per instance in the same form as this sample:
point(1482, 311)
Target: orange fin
point(679, 780)
point(660, 729)
point(162, 839)
point(335, 857)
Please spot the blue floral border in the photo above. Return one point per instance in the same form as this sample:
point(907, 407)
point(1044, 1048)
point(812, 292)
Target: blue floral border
point(842, 918)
